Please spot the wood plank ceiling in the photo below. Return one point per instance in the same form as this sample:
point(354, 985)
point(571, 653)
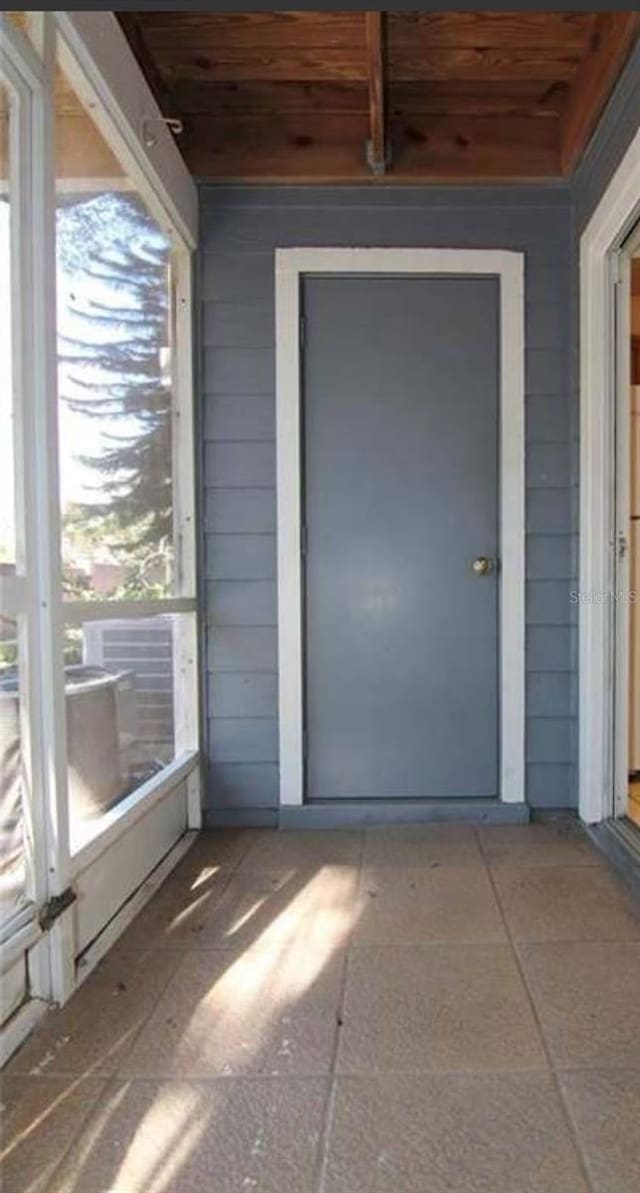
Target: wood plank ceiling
point(395, 97)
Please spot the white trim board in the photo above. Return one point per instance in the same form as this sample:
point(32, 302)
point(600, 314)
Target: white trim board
point(97, 949)
point(508, 268)
point(610, 224)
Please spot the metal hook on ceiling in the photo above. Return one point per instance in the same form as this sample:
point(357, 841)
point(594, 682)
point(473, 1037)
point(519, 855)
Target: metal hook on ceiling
point(149, 137)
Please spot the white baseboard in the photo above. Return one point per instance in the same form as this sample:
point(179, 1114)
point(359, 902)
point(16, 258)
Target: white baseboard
point(114, 929)
point(19, 1026)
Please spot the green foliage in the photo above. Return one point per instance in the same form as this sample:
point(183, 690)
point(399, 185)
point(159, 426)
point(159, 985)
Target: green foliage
point(8, 653)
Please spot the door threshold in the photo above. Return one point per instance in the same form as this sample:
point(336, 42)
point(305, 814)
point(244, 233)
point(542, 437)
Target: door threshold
point(360, 813)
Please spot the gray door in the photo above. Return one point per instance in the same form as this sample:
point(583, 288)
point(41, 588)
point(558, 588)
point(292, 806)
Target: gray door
point(401, 400)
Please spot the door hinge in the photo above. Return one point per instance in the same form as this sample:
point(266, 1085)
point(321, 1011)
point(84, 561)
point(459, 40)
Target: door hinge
point(623, 545)
point(303, 541)
point(54, 907)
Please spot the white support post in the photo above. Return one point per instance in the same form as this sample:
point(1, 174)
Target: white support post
point(186, 633)
point(51, 733)
point(610, 224)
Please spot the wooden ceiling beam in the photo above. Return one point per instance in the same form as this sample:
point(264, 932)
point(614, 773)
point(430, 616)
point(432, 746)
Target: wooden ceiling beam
point(377, 143)
point(317, 148)
point(611, 40)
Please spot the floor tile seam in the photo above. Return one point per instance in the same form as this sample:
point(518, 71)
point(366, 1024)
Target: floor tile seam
point(213, 1079)
point(595, 1064)
point(598, 1064)
point(426, 866)
point(628, 941)
point(543, 867)
point(328, 1110)
point(445, 1071)
point(431, 943)
point(602, 1066)
point(146, 1078)
point(385, 874)
point(322, 1074)
point(569, 1123)
point(571, 940)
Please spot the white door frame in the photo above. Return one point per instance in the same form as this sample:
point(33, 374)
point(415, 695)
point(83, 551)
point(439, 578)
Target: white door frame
point(610, 224)
point(508, 268)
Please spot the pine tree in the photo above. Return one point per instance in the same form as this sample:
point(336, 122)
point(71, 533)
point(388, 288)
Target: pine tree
point(113, 290)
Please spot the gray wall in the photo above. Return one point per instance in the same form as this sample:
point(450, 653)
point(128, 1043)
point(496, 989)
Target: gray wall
point(240, 227)
point(617, 127)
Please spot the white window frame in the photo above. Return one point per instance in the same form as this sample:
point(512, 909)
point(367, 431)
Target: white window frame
point(600, 644)
point(508, 267)
point(101, 66)
point(97, 61)
point(22, 935)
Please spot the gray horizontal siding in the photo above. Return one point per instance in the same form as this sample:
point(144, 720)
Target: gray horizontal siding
point(243, 511)
point(550, 647)
point(240, 418)
point(547, 324)
point(237, 603)
point(238, 465)
point(240, 648)
point(549, 604)
point(232, 325)
point(550, 557)
point(551, 785)
point(244, 739)
point(245, 370)
point(551, 694)
point(548, 465)
point(244, 785)
point(240, 556)
point(548, 419)
point(549, 511)
point(243, 695)
point(241, 227)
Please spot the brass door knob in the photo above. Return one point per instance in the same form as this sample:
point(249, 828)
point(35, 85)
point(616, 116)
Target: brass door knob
point(482, 566)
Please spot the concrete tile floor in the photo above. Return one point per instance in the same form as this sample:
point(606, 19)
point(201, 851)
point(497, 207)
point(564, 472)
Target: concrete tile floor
point(430, 1010)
